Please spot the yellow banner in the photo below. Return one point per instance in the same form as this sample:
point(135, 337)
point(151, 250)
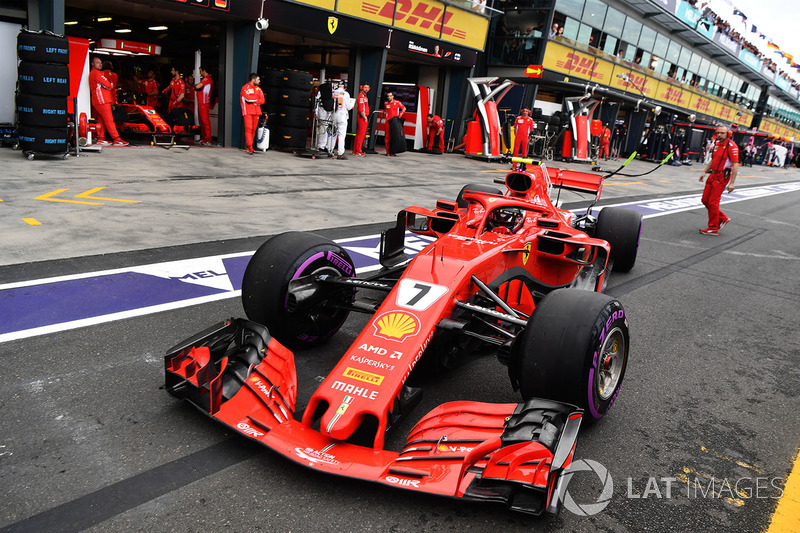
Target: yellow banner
point(374, 10)
point(423, 17)
point(603, 72)
point(646, 84)
point(568, 61)
point(323, 4)
point(464, 28)
point(672, 94)
point(702, 105)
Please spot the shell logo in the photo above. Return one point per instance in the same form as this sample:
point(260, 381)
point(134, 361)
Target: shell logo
point(396, 325)
point(254, 379)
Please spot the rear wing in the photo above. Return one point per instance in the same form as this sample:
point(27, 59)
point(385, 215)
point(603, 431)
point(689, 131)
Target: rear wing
point(573, 180)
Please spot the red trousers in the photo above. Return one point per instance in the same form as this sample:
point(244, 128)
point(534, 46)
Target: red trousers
point(250, 125)
point(205, 123)
point(361, 135)
point(521, 141)
point(715, 185)
point(604, 150)
point(432, 136)
point(387, 138)
point(105, 121)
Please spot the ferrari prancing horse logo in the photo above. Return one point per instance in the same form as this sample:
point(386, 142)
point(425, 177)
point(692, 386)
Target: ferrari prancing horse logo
point(526, 254)
point(333, 23)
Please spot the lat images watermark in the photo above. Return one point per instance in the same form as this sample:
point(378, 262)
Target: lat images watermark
point(689, 484)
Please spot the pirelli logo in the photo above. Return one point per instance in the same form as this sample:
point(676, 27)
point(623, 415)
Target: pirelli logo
point(360, 375)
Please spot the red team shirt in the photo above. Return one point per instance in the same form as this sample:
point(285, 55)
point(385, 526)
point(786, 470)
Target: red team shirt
point(437, 124)
point(102, 88)
point(252, 98)
point(523, 125)
point(393, 108)
point(724, 156)
point(204, 94)
point(362, 105)
point(177, 88)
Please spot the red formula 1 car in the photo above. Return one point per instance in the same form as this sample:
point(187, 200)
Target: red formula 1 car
point(508, 270)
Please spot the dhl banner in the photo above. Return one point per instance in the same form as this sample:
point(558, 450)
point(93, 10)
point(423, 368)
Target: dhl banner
point(423, 17)
point(647, 85)
point(468, 30)
point(779, 130)
point(584, 65)
point(330, 5)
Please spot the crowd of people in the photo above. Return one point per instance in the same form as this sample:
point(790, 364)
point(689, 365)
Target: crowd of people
point(710, 18)
point(180, 93)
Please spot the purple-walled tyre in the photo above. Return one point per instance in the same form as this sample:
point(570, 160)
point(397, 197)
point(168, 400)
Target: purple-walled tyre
point(265, 288)
point(574, 349)
point(621, 228)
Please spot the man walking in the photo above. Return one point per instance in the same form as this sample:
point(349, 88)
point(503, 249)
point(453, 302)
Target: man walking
point(102, 91)
point(342, 105)
point(392, 109)
point(252, 98)
point(722, 171)
point(362, 119)
point(435, 130)
point(203, 89)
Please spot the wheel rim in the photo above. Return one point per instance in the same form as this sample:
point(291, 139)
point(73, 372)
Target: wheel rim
point(611, 363)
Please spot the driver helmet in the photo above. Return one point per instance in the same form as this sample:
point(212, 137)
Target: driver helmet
point(510, 218)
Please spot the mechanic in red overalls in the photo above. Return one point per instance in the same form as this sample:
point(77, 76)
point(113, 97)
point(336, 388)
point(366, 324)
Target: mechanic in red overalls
point(176, 90)
point(203, 89)
point(362, 110)
point(722, 171)
point(392, 108)
point(605, 140)
point(108, 70)
point(435, 129)
point(102, 90)
point(522, 129)
point(252, 98)
point(150, 88)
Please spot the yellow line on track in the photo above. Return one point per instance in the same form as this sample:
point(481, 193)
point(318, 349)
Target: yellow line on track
point(87, 195)
point(787, 514)
point(32, 221)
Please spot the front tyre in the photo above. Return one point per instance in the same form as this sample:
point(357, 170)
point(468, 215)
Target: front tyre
point(574, 349)
point(266, 280)
point(621, 228)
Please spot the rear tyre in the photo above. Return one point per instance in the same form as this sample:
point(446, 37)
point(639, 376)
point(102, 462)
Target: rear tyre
point(294, 97)
point(266, 282)
point(477, 187)
point(286, 137)
point(574, 349)
point(621, 228)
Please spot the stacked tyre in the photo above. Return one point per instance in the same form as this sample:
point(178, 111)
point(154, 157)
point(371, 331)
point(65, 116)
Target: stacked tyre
point(42, 92)
point(289, 106)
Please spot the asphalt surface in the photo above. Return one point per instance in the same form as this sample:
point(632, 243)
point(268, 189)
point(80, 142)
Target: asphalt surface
point(91, 441)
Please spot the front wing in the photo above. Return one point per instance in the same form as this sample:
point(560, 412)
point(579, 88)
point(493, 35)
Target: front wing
point(238, 375)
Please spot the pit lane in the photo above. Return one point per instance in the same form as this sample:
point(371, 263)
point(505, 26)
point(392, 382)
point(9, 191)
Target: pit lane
point(710, 399)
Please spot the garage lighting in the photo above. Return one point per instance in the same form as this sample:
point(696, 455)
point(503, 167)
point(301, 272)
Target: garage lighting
point(157, 28)
point(70, 23)
point(103, 19)
point(123, 30)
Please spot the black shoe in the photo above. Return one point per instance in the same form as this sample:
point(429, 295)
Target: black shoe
point(341, 157)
